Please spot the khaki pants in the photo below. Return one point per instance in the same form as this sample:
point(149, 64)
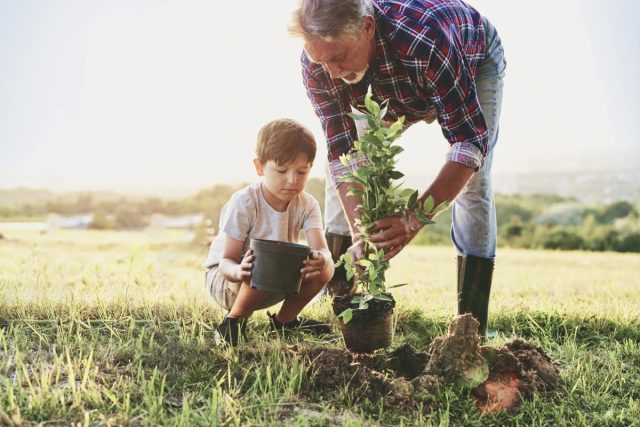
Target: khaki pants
point(225, 292)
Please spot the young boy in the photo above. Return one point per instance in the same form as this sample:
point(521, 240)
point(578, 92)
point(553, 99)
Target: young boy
point(276, 208)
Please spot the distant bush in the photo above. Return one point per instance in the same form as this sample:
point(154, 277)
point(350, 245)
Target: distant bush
point(532, 221)
point(630, 243)
point(558, 238)
point(616, 210)
point(101, 221)
point(128, 218)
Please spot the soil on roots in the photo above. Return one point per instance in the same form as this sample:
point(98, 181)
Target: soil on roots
point(376, 307)
point(498, 378)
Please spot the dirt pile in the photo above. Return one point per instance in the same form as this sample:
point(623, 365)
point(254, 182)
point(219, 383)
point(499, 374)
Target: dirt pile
point(333, 369)
point(498, 378)
point(456, 356)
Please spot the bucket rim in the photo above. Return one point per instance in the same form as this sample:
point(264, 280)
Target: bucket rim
point(266, 244)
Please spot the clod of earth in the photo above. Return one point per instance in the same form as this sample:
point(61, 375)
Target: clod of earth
point(497, 377)
point(456, 356)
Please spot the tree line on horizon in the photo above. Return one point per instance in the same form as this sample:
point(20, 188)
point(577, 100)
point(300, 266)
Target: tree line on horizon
point(531, 221)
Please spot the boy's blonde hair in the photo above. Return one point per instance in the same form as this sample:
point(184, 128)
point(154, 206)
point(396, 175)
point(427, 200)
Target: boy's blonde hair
point(283, 140)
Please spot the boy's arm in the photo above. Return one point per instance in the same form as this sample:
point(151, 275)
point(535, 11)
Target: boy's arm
point(231, 267)
point(320, 262)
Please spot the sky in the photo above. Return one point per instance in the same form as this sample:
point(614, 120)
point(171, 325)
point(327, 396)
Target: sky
point(166, 96)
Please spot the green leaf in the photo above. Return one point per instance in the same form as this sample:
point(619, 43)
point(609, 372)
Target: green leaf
point(365, 263)
point(407, 192)
point(357, 116)
point(372, 106)
point(395, 174)
point(395, 150)
point(380, 135)
point(371, 138)
point(427, 205)
point(412, 199)
point(397, 286)
point(354, 178)
point(346, 315)
point(385, 106)
point(349, 272)
point(396, 128)
point(442, 206)
point(382, 297)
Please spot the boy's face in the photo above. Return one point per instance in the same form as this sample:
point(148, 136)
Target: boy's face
point(284, 182)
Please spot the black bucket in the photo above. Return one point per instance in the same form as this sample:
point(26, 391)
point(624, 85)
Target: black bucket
point(277, 265)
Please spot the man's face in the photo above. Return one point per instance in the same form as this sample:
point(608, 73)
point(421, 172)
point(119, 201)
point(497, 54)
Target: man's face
point(345, 57)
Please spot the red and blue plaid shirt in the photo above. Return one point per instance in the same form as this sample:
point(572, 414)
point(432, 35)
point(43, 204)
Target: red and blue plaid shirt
point(427, 53)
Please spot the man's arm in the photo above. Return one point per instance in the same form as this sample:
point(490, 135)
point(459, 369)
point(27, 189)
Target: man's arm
point(393, 233)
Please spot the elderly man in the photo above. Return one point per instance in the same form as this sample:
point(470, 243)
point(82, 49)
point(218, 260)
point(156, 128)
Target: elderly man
point(431, 59)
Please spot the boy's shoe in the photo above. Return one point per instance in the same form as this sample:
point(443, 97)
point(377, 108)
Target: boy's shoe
point(299, 324)
point(230, 329)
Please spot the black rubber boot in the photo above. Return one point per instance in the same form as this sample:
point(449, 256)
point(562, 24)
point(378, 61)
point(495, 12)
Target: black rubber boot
point(474, 287)
point(338, 245)
point(232, 330)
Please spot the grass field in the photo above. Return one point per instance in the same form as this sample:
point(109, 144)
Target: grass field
point(115, 328)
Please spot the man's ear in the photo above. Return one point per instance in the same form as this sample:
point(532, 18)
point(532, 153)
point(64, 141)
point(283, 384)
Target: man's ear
point(259, 166)
point(368, 27)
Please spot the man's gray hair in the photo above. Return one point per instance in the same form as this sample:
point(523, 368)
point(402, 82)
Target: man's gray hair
point(329, 19)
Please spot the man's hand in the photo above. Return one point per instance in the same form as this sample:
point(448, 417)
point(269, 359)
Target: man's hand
point(314, 265)
point(243, 270)
point(393, 233)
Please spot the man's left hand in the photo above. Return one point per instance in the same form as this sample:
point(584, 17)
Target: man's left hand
point(393, 233)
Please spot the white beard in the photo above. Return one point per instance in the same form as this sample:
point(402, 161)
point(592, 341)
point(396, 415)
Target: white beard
point(359, 76)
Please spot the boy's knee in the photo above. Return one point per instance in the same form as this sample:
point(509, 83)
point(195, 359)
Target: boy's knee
point(316, 282)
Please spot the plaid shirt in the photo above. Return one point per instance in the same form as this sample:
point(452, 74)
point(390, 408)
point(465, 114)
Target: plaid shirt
point(427, 53)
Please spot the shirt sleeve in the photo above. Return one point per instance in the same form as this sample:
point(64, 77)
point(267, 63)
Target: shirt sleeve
point(339, 129)
point(237, 217)
point(313, 216)
point(452, 90)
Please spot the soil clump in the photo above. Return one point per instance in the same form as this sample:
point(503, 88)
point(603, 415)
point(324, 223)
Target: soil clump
point(498, 378)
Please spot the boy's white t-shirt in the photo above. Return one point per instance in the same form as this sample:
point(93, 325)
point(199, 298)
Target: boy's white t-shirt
point(248, 215)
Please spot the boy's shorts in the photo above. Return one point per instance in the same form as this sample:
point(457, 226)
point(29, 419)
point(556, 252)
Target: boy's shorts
point(225, 292)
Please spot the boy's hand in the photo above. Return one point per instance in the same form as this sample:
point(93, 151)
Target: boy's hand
point(243, 270)
point(314, 265)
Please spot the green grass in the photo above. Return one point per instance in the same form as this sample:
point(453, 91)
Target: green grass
point(115, 328)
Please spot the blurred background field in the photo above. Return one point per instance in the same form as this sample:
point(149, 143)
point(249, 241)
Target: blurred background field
point(164, 266)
